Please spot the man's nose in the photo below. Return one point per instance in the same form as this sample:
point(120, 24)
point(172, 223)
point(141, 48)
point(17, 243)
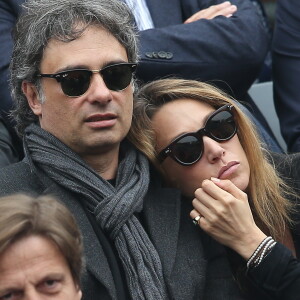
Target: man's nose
point(98, 91)
point(32, 294)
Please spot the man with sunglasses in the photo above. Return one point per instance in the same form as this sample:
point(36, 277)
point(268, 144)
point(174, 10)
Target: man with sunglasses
point(169, 33)
point(71, 75)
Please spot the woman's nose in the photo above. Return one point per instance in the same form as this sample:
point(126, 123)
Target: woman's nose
point(213, 150)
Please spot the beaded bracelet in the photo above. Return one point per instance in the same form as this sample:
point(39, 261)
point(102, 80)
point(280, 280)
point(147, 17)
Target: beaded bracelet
point(266, 250)
point(258, 249)
point(260, 253)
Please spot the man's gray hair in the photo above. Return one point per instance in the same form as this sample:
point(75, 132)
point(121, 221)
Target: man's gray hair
point(43, 20)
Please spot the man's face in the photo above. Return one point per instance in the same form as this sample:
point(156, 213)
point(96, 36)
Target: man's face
point(97, 121)
point(34, 268)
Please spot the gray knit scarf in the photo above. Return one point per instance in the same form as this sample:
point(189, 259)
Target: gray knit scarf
point(113, 207)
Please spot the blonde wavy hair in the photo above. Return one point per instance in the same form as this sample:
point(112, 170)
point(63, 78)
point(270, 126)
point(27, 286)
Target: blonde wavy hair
point(266, 190)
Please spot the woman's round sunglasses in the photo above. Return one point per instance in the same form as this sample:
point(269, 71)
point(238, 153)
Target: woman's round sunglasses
point(188, 148)
point(75, 83)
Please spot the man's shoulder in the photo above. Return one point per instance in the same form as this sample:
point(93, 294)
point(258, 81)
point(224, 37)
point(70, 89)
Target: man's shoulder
point(18, 178)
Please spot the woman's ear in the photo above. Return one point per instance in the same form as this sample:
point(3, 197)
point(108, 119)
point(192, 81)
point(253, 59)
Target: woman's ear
point(32, 95)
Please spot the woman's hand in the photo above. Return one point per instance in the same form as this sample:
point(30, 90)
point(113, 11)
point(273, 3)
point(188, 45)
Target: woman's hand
point(226, 216)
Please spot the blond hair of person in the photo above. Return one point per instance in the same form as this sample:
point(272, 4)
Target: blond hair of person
point(267, 192)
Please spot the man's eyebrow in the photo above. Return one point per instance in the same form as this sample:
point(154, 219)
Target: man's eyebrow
point(71, 67)
point(9, 290)
point(52, 276)
point(113, 62)
point(81, 66)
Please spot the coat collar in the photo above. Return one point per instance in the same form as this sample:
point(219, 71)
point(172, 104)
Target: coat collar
point(95, 258)
point(174, 238)
point(161, 206)
point(162, 220)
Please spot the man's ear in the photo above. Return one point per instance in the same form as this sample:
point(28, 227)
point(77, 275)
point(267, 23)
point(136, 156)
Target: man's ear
point(30, 91)
point(79, 294)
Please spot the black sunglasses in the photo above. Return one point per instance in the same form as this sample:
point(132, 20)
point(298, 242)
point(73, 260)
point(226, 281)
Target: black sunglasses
point(75, 83)
point(188, 148)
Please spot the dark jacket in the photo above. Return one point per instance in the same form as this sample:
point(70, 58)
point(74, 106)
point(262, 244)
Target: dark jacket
point(189, 272)
point(227, 51)
point(278, 275)
point(195, 266)
point(8, 149)
point(10, 144)
point(286, 70)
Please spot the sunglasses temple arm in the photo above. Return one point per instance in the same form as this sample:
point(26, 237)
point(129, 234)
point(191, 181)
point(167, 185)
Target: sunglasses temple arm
point(163, 155)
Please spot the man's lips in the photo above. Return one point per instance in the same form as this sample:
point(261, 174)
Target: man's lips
point(100, 117)
point(227, 170)
point(101, 120)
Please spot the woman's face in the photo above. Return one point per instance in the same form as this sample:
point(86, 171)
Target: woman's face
point(186, 115)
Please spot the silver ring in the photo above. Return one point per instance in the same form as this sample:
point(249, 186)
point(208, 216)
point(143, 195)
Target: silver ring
point(196, 220)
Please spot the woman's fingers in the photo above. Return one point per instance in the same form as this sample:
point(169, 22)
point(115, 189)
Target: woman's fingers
point(222, 189)
point(227, 216)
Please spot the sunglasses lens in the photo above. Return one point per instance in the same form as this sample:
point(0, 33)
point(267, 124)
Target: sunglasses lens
point(222, 126)
point(75, 83)
point(188, 149)
point(117, 77)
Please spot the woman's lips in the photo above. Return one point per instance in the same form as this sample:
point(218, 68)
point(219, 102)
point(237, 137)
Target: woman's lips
point(228, 170)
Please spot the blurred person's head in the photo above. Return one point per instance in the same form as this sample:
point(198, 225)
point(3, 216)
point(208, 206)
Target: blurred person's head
point(40, 249)
point(71, 71)
point(168, 115)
